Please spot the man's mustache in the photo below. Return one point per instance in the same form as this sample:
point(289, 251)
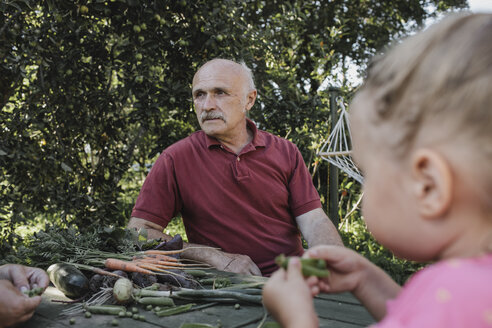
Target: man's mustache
point(204, 116)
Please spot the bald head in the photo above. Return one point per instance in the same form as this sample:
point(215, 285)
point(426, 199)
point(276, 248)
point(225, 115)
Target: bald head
point(243, 71)
point(223, 92)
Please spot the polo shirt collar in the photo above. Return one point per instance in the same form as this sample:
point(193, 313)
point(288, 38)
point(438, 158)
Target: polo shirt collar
point(258, 138)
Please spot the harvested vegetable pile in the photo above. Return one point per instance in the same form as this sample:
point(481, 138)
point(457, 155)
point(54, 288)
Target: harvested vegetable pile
point(118, 271)
point(102, 256)
point(142, 267)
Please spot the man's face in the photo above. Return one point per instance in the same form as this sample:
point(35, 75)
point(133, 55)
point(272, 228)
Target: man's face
point(221, 98)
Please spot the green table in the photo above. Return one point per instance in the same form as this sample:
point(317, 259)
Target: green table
point(341, 310)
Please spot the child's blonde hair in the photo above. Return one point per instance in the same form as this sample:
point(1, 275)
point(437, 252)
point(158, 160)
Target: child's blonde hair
point(438, 81)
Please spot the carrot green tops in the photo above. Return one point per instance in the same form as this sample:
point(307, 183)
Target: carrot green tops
point(244, 203)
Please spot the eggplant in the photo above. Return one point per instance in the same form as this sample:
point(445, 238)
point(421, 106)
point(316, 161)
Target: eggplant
point(69, 280)
point(175, 243)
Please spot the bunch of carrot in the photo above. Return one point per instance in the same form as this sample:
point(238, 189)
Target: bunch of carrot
point(152, 262)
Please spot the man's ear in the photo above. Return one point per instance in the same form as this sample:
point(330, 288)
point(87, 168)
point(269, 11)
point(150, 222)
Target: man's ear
point(433, 183)
point(250, 98)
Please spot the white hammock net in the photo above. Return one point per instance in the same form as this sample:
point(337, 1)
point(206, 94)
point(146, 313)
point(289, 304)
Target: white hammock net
point(337, 148)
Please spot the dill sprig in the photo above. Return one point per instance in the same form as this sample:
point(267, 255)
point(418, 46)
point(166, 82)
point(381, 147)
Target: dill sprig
point(55, 244)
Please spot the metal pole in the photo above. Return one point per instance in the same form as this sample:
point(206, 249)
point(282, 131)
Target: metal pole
point(333, 170)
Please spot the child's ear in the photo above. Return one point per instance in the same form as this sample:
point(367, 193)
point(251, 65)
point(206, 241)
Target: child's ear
point(432, 178)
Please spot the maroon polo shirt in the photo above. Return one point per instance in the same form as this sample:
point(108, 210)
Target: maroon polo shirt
point(243, 204)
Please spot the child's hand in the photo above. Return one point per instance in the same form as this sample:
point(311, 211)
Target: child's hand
point(352, 272)
point(347, 269)
point(288, 297)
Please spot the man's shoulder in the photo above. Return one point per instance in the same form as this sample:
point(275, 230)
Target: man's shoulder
point(194, 141)
point(274, 140)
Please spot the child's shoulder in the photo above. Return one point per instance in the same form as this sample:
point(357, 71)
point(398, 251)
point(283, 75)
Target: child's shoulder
point(462, 274)
point(455, 268)
point(454, 293)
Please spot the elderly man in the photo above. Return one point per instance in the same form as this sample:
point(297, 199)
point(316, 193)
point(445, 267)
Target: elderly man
point(243, 193)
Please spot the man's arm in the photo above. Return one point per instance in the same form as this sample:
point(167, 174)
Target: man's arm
point(236, 263)
point(317, 229)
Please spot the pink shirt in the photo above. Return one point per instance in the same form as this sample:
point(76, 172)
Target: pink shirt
point(243, 204)
point(454, 293)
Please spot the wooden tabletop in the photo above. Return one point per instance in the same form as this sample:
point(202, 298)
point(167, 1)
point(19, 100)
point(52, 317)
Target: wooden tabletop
point(335, 311)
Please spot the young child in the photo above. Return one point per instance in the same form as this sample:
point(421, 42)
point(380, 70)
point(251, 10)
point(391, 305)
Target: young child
point(422, 135)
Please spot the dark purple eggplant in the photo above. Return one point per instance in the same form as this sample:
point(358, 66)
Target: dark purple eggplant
point(69, 280)
point(168, 245)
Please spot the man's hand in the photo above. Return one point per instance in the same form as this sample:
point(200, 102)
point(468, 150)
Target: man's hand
point(220, 260)
point(24, 277)
point(223, 261)
point(15, 306)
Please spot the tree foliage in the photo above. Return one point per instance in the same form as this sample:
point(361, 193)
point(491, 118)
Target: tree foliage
point(90, 89)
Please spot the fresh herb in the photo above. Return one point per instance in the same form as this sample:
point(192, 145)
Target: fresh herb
point(55, 244)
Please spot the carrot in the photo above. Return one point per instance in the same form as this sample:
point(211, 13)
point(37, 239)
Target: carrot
point(95, 270)
point(171, 252)
point(115, 264)
point(152, 267)
point(164, 268)
point(162, 257)
point(174, 262)
point(177, 265)
point(104, 272)
point(153, 261)
point(159, 269)
point(157, 257)
point(166, 258)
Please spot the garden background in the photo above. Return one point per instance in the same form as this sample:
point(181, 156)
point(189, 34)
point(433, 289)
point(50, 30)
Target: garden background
point(93, 91)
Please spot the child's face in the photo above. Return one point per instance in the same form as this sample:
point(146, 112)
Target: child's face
point(388, 206)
